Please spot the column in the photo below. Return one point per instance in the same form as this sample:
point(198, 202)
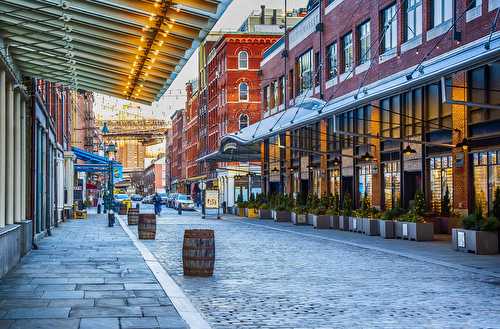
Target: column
point(68, 161)
point(323, 177)
point(9, 157)
point(60, 185)
point(23, 160)
point(17, 157)
point(377, 175)
point(2, 147)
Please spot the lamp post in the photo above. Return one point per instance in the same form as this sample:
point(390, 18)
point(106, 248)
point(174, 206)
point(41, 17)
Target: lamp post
point(110, 150)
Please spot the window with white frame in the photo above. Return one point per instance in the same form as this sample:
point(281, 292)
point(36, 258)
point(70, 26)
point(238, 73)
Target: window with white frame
point(305, 66)
point(243, 60)
point(364, 42)
point(347, 48)
point(442, 10)
point(243, 121)
point(243, 92)
point(413, 19)
point(389, 29)
point(331, 53)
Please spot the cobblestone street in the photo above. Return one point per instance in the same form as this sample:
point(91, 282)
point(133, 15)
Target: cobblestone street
point(265, 278)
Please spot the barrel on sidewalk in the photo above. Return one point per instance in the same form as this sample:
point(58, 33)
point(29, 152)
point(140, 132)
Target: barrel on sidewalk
point(133, 216)
point(198, 252)
point(147, 226)
point(123, 209)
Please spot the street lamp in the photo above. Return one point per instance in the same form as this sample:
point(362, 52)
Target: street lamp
point(409, 150)
point(110, 151)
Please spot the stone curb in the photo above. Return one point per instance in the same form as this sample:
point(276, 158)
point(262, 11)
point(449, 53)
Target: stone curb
point(181, 302)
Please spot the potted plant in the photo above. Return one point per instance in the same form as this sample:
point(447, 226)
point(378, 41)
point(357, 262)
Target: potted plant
point(370, 223)
point(312, 206)
point(412, 226)
point(333, 210)
point(299, 215)
point(320, 218)
point(387, 224)
point(478, 235)
point(346, 213)
point(265, 210)
point(282, 210)
point(240, 206)
point(252, 207)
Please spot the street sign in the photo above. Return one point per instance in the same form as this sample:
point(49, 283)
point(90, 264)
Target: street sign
point(212, 199)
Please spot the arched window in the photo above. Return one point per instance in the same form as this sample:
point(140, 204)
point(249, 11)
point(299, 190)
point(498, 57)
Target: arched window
point(243, 92)
point(243, 60)
point(243, 121)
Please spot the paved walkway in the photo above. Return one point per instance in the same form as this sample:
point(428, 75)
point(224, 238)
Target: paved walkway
point(85, 276)
point(276, 275)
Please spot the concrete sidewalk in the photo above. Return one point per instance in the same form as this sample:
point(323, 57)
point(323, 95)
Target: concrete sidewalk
point(437, 252)
point(87, 276)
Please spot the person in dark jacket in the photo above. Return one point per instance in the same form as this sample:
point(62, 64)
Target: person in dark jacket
point(157, 202)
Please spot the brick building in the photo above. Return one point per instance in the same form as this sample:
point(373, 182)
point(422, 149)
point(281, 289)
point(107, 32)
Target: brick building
point(177, 164)
point(384, 98)
point(154, 178)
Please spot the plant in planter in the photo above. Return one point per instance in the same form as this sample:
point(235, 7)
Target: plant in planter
point(387, 225)
point(312, 205)
point(346, 213)
point(477, 235)
point(283, 207)
point(265, 211)
point(299, 215)
point(320, 218)
point(333, 210)
point(412, 226)
point(241, 205)
point(252, 207)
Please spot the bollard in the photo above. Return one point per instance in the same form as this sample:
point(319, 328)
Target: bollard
point(111, 218)
point(179, 209)
point(99, 208)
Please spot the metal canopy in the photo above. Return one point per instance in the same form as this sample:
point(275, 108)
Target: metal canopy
point(130, 49)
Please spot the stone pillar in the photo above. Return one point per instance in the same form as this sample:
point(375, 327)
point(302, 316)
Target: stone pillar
point(230, 191)
point(2, 147)
point(69, 179)
point(461, 171)
point(60, 185)
point(288, 163)
point(24, 179)
point(17, 157)
point(9, 157)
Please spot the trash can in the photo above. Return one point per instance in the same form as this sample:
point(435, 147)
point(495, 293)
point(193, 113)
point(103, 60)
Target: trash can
point(224, 207)
point(99, 208)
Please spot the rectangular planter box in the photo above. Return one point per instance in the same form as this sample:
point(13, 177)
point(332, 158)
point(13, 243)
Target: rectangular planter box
point(344, 223)
point(310, 220)
point(241, 212)
point(334, 222)
point(298, 219)
point(235, 211)
point(415, 231)
point(370, 226)
point(478, 242)
point(321, 221)
point(356, 224)
point(387, 229)
point(252, 213)
point(281, 216)
point(265, 214)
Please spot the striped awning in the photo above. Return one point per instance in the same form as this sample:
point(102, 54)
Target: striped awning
point(131, 49)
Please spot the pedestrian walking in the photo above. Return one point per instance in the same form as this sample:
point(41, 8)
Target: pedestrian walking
point(157, 203)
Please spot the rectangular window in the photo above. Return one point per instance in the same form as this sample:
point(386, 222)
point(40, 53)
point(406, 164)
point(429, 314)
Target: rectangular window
point(275, 94)
point(364, 42)
point(347, 49)
point(392, 184)
point(267, 100)
point(389, 29)
point(316, 74)
point(305, 71)
point(442, 10)
point(282, 90)
point(332, 64)
point(441, 181)
point(413, 19)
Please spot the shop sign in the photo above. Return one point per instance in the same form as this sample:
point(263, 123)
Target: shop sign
point(212, 199)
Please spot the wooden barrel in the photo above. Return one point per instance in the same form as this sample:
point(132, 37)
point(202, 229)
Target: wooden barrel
point(133, 216)
point(123, 209)
point(147, 226)
point(198, 252)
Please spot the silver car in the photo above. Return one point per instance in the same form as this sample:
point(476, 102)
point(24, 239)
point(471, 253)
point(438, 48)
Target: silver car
point(184, 201)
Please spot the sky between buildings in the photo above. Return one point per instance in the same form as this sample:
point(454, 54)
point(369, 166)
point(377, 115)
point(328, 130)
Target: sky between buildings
point(174, 98)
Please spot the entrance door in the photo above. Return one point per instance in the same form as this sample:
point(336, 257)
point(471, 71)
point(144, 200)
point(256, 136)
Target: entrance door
point(411, 186)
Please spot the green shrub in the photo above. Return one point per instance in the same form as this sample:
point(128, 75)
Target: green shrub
point(420, 206)
point(347, 205)
point(392, 214)
point(491, 225)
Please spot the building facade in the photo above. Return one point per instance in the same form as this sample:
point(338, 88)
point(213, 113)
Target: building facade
point(154, 177)
point(410, 91)
point(177, 155)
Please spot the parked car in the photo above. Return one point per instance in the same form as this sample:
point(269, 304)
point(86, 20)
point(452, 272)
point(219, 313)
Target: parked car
point(171, 199)
point(148, 199)
point(136, 197)
point(184, 201)
point(164, 197)
point(121, 198)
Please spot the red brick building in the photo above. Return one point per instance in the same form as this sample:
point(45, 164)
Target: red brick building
point(366, 78)
point(177, 156)
point(154, 177)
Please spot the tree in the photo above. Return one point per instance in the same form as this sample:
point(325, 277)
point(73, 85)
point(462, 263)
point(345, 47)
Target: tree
point(420, 206)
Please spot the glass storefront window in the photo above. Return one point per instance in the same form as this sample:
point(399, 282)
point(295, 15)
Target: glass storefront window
point(441, 179)
point(365, 182)
point(392, 184)
point(486, 178)
point(334, 181)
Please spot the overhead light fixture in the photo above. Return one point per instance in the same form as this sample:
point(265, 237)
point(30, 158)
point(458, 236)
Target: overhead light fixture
point(336, 161)
point(409, 150)
point(367, 157)
point(464, 144)
point(275, 170)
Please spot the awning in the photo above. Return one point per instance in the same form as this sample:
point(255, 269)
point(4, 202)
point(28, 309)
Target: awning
point(96, 163)
point(130, 49)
